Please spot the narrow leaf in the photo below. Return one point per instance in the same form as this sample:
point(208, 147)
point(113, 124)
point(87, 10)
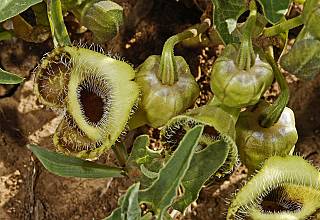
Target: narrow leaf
point(11, 8)
point(162, 192)
point(129, 206)
point(274, 10)
point(115, 215)
point(9, 78)
point(58, 29)
point(130, 209)
point(226, 13)
point(203, 165)
point(63, 165)
point(303, 59)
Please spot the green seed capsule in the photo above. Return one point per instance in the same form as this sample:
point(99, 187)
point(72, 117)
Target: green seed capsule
point(161, 102)
point(235, 87)
point(98, 95)
point(256, 143)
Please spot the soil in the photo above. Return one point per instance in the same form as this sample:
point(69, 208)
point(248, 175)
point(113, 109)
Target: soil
point(30, 192)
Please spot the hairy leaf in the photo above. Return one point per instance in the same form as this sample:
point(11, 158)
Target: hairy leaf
point(58, 29)
point(303, 59)
point(63, 165)
point(9, 78)
point(274, 10)
point(141, 153)
point(203, 165)
point(129, 206)
point(11, 8)
point(226, 13)
point(162, 192)
point(145, 159)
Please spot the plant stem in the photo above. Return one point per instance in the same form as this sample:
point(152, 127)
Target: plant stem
point(271, 115)
point(121, 153)
point(283, 26)
point(167, 73)
point(246, 55)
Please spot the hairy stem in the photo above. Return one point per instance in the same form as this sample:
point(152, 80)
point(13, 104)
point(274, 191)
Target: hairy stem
point(121, 153)
point(167, 73)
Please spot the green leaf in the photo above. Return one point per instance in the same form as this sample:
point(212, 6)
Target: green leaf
point(303, 59)
point(58, 29)
point(149, 162)
point(129, 206)
point(115, 215)
point(162, 192)
point(274, 10)
point(226, 13)
point(130, 209)
point(63, 165)
point(203, 165)
point(11, 8)
point(9, 78)
point(141, 153)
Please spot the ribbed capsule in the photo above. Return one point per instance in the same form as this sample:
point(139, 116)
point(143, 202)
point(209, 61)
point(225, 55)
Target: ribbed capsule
point(235, 87)
point(256, 143)
point(159, 102)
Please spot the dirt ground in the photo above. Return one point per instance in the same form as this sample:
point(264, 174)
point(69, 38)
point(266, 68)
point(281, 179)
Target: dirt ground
point(29, 192)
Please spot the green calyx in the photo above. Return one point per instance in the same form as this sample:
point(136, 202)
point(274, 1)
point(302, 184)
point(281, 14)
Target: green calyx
point(219, 123)
point(161, 102)
point(96, 102)
point(235, 87)
point(256, 143)
point(278, 191)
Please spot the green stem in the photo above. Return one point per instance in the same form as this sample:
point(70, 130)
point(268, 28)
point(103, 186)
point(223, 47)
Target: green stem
point(283, 26)
point(121, 153)
point(6, 35)
point(167, 73)
point(58, 29)
point(246, 55)
point(271, 115)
